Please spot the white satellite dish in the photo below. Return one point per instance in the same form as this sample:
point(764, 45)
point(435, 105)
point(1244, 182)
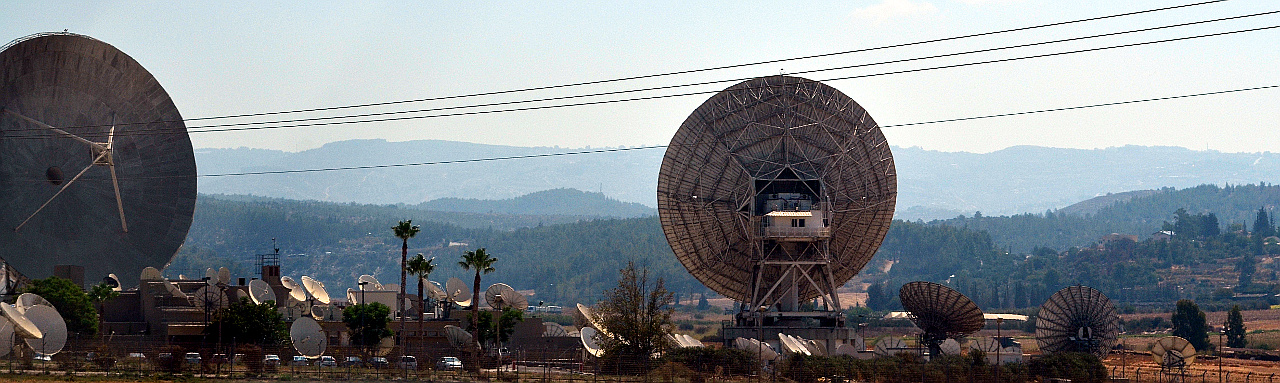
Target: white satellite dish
point(173, 289)
point(813, 346)
point(296, 291)
point(308, 337)
point(6, 337)
point(1173, 352)
point(458, 292)
point(26, 300)
point(352, 296)
point(224, 276)
point(674, 341)
point(458, 338)
point(150, 274)
point(371, 283)
point(51, 325)
point(888, 345)
point(754, 346)
point(588, 336)
point(592, 319)
point(211, 297)
point(553, 330)
point(21, 325)
point(112, 281)
point(211, 276)
point(688, 341)
point(949, 347)
point(792, 345)
point(434, 291)
point(260, 292)
point(501, 296)
point(241, 294)
point(316, 288)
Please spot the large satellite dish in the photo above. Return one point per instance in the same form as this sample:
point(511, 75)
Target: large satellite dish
point(6, 336)
point(51, 325)
point(296, 291)
point(1077, 319)
point(434, 291)
point(308, 337)
point(458, 338)
point(776, 149)
point(261, 292)
point(23, 326)
point(501, 296)
point(889, 345)
point(96, 166)
point(458, 292)
point(940, 312)
point(1173, 352)
point(369, 282)
point(316, 288)
point(590, 342)
point(211, 298)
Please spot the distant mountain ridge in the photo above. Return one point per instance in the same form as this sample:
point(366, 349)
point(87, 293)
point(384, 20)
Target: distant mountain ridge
point(569, 202)
point(931, 184)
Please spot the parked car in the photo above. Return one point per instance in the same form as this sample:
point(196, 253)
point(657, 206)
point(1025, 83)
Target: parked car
point(137, 355)
point(378, 362)
point(408, 362)
point(449, 363)
point(47, 358)
point(352, 361)
point(193, 358)
point(327, 361)
point(299, 360)
point(271, 360)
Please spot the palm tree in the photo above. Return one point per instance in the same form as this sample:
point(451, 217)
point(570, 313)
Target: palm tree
point(421, 267)
point(480, 261)
point(403, 230)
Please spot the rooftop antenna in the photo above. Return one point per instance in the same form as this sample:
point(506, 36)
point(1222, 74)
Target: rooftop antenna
point(1077, 319)
point(940, 312)
point(316, 288)
point(296, 291)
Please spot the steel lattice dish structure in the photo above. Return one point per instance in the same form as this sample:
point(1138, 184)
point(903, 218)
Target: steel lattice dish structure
point(1077, 319)
point(940, 312)
point(772, 149)
point(96, 167)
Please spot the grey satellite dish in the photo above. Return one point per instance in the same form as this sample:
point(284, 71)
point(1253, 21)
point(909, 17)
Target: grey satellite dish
point(211, 276)
point(757, 347)
point(308, 337)
point(260, 292)
point(51, 325)
point(501, 296)
point(888, 345)
point(112, 281)
point(150, 274)
point(224, 276)
point(949, 347)
point(814, 347)
point(26, 300)
point(590, 343)
point(846, 349)
point(316, 288)
point(21, 325)
point(173, 289)
point(6, 337)
point(241, 294)
point(435, 291)
point(211, 298)
point(458, 292)
point(458, 338)
point(370, 283)
point(553, 330)
point(986, 344)
point(296, 291)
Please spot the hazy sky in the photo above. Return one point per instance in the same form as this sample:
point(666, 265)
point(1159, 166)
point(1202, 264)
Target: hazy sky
point(224, 58)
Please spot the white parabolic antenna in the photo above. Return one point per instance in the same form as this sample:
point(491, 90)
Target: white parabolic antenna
point(295, 290)
point(6, 336)
point(316, 288)
point(756, 347)
point(553, 330)
point(26, 300)
point(888, 345)
point(950, 347)
point(591, 318)
point(224, 275)
point(690, 342)
point(113, 281)
point(371, 283)
point(150, 274)
point(1172, 351)
point(21, 324)
point(260, 292)
point(353, 296)
point(791, 345)
point(458, 292)
point(173, 289)
point(501, 296)
point(589, 342)
point(51, 325)
point(435, 291)
point(211, 276)
point(308, 337)
point(458, 338)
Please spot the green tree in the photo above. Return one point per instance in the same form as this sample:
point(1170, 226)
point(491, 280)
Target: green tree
point(404, 230)
point(1262, 224)
point(637, 314)
point(71, 302)
point(421, 268)
point(368, 323)
point(99, 294)
point(1189, 323)
point(1235, 328)
point(876, 298)
point(499, 332)
point(1247, 266)
point(479, 261)
point(247, 322)
point(703, 304)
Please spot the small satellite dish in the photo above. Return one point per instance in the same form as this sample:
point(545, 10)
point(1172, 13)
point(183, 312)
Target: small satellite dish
point(588, 336)
point(182, 277)
point(51, 325)
point(458, 292)
point(814, 347)
point(371, 283)
point(112, 281)
point(458, 338)
point(756, 347)
point(241, 294)
point(150, 274)
point(173, 289)
point(435, 291)
point(846, 349)
point(940, 312)
point(688, 340)
point(6, 336)
point(791, 345)
point(316, 288)
point(211, 298)
point(501, 296)
point(675, 342)
point(26, 300)
point(21, 325)
point(224, 276)
point(888, 345)
point(308, 337)
point(949, 347)
point(1173, 352)
point(553, 330)
point(211, 276)
point(352, 296)
point(260, 292)
point(296, 291)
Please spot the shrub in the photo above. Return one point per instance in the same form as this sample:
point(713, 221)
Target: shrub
point(1076, 366)
point(705, 359)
